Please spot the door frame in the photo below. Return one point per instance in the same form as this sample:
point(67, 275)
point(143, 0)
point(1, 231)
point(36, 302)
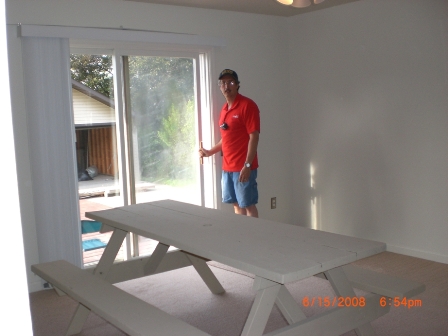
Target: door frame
point(206, 131)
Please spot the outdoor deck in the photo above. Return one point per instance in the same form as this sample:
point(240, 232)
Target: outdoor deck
point(106, 185)
point(102, 193)
point(90, 194)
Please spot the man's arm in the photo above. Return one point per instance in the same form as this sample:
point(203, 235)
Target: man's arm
point(209, 152)
point(252, 146)
point(251, 151)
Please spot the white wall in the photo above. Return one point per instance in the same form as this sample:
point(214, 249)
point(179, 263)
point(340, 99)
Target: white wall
point(18, 299)
point(369, 102)
point(255, 49)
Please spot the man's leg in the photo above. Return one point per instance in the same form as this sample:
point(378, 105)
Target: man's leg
point(238, 210)
point(251, 210)
point(247, 195)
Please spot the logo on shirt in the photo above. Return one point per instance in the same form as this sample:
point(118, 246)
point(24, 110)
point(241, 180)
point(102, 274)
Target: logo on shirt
point(236, 116)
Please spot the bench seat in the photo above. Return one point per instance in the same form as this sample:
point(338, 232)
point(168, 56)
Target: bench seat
point(123, 310)
point(380, 283)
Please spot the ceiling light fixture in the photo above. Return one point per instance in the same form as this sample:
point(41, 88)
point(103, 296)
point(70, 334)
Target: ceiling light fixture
point(299, 3)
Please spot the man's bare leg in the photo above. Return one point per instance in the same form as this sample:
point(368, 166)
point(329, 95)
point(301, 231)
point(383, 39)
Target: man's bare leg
point(238, 210)
point(251, 210)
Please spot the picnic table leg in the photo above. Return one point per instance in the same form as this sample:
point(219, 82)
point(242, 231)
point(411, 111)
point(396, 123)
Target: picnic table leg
point(206, 274)
point(156, 258)
point(110, 253)
point(267, 292)
point(78, 320)
point(106, 261)
point(342, 288)
point(288, 306)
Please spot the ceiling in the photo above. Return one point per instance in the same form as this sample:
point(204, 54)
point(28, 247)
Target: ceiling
point(268, 7)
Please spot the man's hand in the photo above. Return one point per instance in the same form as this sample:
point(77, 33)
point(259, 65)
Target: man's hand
point(244, 174)
point(204, 152)
point(209, 152)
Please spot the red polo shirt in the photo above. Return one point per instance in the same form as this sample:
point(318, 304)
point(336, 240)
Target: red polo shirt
point(242, 119)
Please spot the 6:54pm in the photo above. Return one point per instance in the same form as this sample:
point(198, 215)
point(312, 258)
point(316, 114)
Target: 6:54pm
point(400, 302)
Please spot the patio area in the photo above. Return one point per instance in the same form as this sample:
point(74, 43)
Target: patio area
point(102, 193)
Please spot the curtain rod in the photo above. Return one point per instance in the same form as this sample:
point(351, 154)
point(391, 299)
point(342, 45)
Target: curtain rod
point(118, 34)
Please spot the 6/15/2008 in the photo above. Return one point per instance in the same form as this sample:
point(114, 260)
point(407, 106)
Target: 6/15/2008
point(337, 301)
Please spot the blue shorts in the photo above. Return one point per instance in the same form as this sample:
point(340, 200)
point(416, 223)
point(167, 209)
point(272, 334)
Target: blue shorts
point(243, 193)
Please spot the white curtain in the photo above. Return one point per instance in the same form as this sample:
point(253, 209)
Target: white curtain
point(46, 65)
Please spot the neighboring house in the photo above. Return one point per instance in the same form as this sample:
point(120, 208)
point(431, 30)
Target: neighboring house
point(94, 116)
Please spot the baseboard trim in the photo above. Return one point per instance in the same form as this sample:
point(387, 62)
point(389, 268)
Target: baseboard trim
point(36, 286)
point(418, 254)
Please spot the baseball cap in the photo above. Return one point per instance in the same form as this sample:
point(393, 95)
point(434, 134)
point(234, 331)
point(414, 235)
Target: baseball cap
point(228, 72)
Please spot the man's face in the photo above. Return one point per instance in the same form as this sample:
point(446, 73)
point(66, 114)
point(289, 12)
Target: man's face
point(229, 87)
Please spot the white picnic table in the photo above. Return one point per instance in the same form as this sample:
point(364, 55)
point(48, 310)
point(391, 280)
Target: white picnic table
point(275, 253)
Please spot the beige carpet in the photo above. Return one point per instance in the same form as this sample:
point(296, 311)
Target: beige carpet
point(183, 294)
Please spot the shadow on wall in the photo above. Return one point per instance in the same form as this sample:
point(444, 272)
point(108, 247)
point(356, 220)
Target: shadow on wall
point(357, 185)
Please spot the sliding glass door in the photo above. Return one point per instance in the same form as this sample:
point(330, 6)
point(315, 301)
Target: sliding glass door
point(163, 128)
point(96, 146)
point(141, 143)
point(163, 131)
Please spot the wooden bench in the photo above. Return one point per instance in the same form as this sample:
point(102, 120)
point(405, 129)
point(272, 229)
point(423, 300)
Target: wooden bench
point(380, 283)
point(123, 310)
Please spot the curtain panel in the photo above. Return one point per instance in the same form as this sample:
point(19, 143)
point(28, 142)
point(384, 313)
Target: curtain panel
point(46, 64)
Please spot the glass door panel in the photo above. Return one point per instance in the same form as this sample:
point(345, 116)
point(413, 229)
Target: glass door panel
point(163, 118)
point(96, 147)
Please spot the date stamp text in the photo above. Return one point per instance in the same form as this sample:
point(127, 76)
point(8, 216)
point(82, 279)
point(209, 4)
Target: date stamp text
point(337, 301)
point(358, 301)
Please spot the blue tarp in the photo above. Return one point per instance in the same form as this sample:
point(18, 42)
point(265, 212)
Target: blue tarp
point(92, 244)
point(89, 226)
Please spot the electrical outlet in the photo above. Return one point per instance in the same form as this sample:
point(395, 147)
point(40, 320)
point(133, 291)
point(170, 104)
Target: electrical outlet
point(273, 202)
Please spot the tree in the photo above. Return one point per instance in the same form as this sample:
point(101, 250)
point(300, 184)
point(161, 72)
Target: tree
point(94, 71)
point(177, 137)
point(162, 109)
point(162, 96)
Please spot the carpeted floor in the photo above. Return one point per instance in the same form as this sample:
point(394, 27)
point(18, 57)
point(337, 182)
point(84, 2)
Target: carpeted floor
point(183, 294)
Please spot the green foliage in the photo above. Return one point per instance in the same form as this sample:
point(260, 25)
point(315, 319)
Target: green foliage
point(177, 137)
point(94, 71)
point(163, 115)
point(162, 111)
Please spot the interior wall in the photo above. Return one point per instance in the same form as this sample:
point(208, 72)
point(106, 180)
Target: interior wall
point(252, 49)
point(18, 299)
point(369, 102)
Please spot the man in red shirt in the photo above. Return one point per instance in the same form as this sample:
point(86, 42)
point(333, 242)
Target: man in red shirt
point(240, 128)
